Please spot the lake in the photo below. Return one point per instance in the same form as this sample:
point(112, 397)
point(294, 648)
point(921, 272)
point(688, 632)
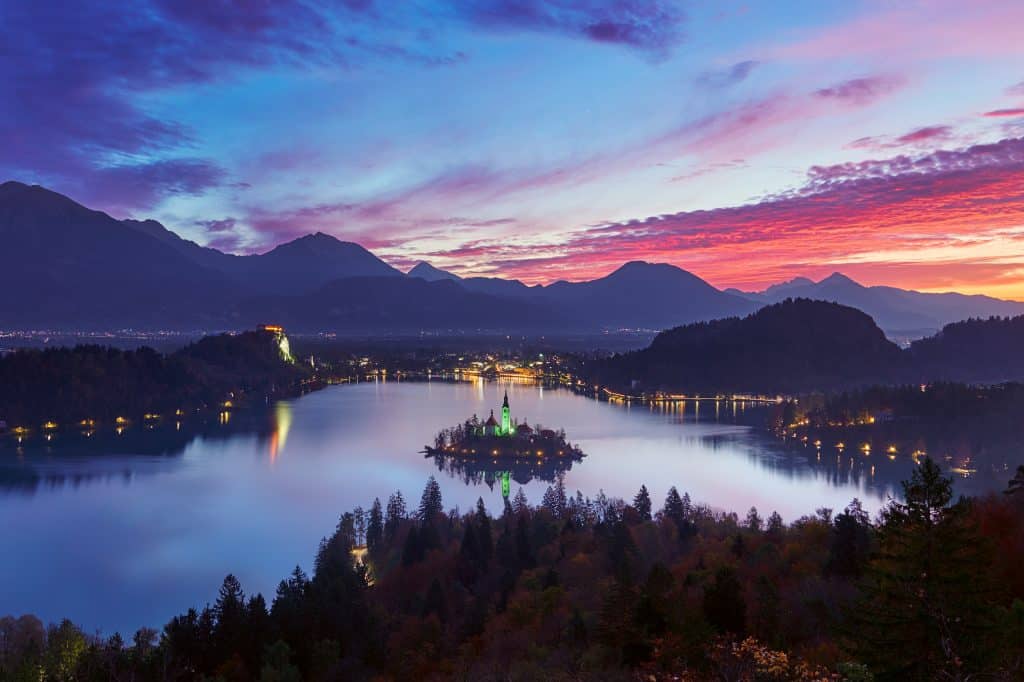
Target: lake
point(128, 530)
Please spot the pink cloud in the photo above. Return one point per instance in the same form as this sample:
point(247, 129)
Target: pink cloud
point(945, 199)
point(1005, 113)
point(861, 91)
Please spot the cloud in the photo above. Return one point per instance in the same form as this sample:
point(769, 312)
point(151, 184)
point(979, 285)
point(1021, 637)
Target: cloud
point(1016, 90)
point(651, 25)
point(215, 226)
point(861, 90)
point(126, 188)
point(927, 135)
point(725, 78)
point(951, 206)
point(1005, 113)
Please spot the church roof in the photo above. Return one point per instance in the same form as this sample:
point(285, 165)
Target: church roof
point(524, 428)
point(491, 421)
point(505, 404)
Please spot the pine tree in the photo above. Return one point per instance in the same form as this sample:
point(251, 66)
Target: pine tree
point(927, 611)
point(485, 540)
point(359, 525)
point(753, 520)
point(775, 526)
point(230, 612)
point(642, 503)
point(520, 505)
point(851, 542)
point(375, 526)
point(673, 508)
point(395, 514)
point(431, 505)
point(724, 606)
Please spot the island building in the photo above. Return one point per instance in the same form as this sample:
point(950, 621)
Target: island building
point(505, 428)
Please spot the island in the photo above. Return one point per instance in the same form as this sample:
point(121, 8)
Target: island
point(503, 450)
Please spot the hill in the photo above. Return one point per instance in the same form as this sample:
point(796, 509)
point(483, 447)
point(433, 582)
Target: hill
point(795, 345)
point(973, 350)
point(93, 382)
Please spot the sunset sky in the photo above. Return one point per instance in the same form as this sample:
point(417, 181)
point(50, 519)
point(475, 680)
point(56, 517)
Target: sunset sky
point(748, 142)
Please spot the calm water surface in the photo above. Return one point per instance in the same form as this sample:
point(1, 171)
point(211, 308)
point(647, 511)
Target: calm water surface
point(120, 537)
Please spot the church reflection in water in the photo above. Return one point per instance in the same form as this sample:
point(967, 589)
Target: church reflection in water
point(473, 470)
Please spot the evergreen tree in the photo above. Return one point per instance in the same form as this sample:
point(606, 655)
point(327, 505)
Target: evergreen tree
point(485, 541)
point(652, 610)
point(851, 542)
point(277, 665)
point(412, 551)
point(520, 505)
point(434, 603)
point(775, 526)
point(724, 606)
point(231, 615)
point(524, 553)
point(673, 508)
point(359, 525)
point(927, 611)
point(375, 526)
point(642, 503)
point(431, 505)
point(753, 520)
point(396, 513)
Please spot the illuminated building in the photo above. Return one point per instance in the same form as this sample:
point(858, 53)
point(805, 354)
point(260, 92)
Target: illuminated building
point(282, 340)
point(506, 417)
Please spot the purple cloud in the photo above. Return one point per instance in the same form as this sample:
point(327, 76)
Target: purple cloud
point(736, 73)
point(216, 226)
point(918, 136)
point(861, 90)
point(653, 25)
point(1005, 113)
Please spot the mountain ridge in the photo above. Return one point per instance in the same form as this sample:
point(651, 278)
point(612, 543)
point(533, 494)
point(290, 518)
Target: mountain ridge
point(88, 270)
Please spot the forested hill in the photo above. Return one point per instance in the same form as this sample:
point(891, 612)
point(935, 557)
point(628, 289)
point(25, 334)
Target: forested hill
point(786, 347)
point(93, 382)
point(990, 350)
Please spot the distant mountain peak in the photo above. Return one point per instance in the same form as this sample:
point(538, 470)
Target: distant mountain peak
point(839, 278)
point(426, 271)
point(795, 283)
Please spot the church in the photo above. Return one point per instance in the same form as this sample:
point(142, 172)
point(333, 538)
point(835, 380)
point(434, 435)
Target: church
point(505, 428)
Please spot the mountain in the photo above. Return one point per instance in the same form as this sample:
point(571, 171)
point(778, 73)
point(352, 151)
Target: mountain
point(309, 263)
point(426, 271)
point(64, 265)
point(644, 295)
point(371, 305)
point(784, 347)
point(895, 310)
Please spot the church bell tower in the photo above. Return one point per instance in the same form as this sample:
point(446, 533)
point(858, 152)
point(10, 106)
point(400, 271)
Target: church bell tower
point(506, 417)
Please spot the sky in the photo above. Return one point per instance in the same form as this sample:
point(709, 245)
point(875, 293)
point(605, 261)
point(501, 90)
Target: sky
point(747, 142)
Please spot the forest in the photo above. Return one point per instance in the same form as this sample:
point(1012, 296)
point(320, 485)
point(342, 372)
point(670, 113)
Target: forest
point(800, 345)
point(90, 382)
point(578, 588)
